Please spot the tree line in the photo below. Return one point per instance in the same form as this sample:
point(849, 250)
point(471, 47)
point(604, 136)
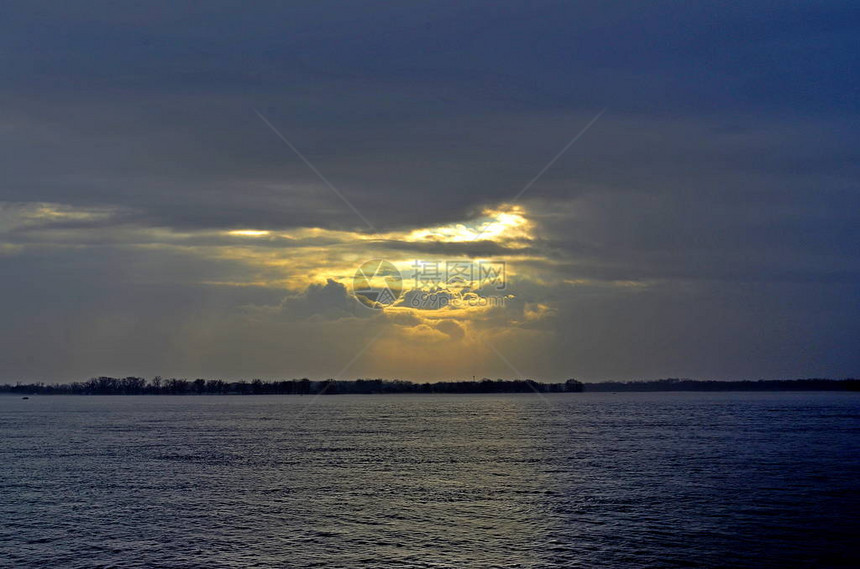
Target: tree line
point(174, 386)
point(675, 384)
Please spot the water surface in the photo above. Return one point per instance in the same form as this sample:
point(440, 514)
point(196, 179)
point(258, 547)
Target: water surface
point(567, 480)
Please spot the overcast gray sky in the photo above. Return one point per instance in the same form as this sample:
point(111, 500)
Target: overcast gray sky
point(706, 225)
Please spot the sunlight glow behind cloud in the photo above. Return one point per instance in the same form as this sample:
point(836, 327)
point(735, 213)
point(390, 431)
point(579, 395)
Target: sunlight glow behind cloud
point(249, 233)
point(501, 225)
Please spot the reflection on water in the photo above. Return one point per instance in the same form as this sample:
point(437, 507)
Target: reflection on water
point(581, 480)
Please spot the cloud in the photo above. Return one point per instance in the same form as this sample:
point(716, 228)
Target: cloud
point(328, 301)
point(452, 329)
point(705, 225)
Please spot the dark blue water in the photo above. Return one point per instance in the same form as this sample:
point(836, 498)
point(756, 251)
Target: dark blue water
point(578, 480)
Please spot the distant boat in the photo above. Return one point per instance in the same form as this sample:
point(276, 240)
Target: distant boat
point(25, 398)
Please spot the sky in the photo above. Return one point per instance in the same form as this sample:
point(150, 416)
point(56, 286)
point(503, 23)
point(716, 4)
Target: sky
point(662, 189)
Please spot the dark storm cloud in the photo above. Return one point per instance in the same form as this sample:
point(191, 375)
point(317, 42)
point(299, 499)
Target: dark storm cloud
point(150, 105)
point(728, 155)
point(515, 52)
point(456, 250)
point(329, 301)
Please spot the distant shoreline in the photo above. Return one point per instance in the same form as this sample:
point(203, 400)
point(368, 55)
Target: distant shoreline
point(172, 386)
